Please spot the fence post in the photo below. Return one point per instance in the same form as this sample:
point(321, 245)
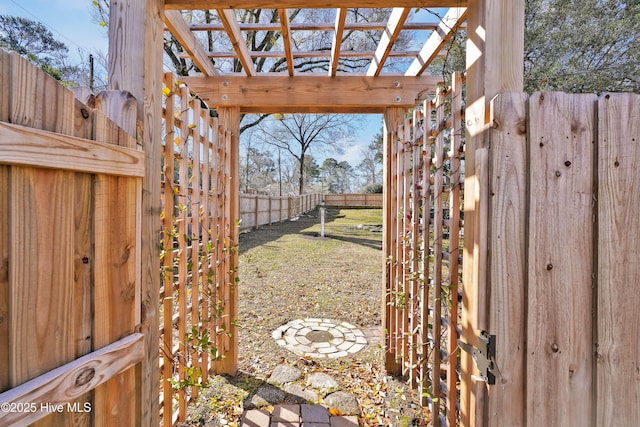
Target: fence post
point(269, 210)
point(255, 213)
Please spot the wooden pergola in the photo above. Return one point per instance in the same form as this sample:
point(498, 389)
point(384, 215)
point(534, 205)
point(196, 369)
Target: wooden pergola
point(495, 31)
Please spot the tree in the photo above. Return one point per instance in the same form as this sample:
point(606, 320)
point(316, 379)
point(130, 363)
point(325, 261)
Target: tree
point(582, 45)
point(298, 133)
point(372, 161)
point(257, 169)
point(35, 42)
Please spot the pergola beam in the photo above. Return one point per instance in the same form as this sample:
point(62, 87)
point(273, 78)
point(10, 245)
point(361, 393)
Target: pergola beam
point(301, 4)
point(341, 18)
point(449, 24)
point(230, 22)
point(389, 36)
point(286, 38)
point(180, 29)
point(312, 54)
point(312, 93)
point(320, 26)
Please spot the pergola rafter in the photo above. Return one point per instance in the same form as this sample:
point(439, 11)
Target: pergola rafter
point(389, 36)
point(341, 17)
point(449, 24)
point(399, 20)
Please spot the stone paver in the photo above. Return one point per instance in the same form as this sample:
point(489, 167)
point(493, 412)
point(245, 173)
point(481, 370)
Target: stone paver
point(314, 414)
point(296, 416)
point(344, 422)
point(300, 337)
point(255, 418)
point(286, 413)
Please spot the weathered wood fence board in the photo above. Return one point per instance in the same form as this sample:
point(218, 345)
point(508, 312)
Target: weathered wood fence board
point(560, 258)
point(507, 252)
point(618, 276)
point(69, 250)
point(354, 200)
point(563, 288)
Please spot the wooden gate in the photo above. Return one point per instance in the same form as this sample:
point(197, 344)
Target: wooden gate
point(561, 286)
point(70, 221)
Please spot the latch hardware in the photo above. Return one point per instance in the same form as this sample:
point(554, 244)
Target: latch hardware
point(484, 355)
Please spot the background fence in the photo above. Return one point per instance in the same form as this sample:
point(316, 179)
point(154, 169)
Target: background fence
point(199, 254)
point(257, 209)
point(563, 273)
point(70, 254)
point(354, 200)
point(422, 246)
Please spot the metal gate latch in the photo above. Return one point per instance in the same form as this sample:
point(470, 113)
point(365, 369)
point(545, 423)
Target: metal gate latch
point(484, 355)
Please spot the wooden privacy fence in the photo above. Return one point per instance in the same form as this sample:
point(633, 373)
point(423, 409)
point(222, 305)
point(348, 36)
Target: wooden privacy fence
point(199, 254)
point(257, 209)
point(70, 262)
point(354, 200)
point(422, 246)
point(563, 273)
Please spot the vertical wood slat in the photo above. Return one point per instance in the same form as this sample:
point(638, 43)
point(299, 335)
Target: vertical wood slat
point(414, 302)
point(5, 84)
point(480, 294)
point(438, 236)
point(618, 364)
point(507, 264)
point(399, 250)
point(116, 271)
point(83, 265)
point(559, 293)
point(426, 249)
point(183, 217)
point(454, 250)
point(406, 243)
point(204, 241)
point(168, 255)
point(5, 172)
point(194, 235)
point(214, 233)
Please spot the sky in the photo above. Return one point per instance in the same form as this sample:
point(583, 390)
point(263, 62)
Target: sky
point(71, 23)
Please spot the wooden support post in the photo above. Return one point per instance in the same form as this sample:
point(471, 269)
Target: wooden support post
point(135, 65)
point(230, 121)
point(393, 117)
point(495, 52)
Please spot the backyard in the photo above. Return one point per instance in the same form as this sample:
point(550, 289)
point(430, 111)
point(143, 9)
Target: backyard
point(289, 272)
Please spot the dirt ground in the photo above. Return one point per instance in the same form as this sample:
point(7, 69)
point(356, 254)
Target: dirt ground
point(289, 272)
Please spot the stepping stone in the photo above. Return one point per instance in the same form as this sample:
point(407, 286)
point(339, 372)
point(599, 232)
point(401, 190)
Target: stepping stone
point(286, 413)
point(344, 402)
point(266, 395)
point(255, 418)
point(322, 382)
point(284, 374)
point(299, 394)
point(314, 414)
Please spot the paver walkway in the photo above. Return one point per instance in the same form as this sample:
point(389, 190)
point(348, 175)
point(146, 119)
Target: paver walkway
point(296, 416)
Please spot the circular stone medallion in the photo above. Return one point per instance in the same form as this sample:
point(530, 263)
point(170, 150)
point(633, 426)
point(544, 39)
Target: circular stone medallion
point(320, 338)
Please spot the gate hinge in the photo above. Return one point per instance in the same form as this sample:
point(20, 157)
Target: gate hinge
point(484, 355)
